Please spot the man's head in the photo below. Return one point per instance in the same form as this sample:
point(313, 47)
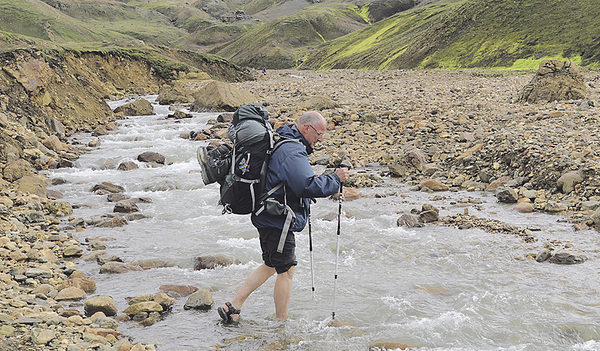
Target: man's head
point(312, 126)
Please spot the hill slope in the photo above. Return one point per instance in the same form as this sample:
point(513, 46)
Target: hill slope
point(474, 33)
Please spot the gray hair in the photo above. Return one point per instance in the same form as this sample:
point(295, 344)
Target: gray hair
point(310, 117)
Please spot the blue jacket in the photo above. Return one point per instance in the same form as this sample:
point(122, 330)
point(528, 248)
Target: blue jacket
point(289, 164)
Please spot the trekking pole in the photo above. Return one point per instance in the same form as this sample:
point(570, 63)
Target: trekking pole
point(337, 245)
point(310, 247)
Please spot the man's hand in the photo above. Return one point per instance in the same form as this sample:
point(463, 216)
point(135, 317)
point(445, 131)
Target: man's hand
point(343, 173)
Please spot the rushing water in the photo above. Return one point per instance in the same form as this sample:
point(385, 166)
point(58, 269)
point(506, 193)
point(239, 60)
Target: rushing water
point(434, 288)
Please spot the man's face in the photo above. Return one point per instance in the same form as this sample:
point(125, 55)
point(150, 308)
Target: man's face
point(314, 134)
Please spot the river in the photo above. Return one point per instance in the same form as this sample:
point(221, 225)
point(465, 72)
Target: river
point(433, 288)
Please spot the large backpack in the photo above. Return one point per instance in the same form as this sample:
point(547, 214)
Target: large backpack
point(242, 189)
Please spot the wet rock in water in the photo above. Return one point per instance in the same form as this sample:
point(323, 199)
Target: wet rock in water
point(150, 264)
point(211, 262)
point(555, 207)
point(543, 256)
point(143, 307)
point(506, 195)
point(151, 157)
point(139, 107)
point(126, 206)
point(409, 220)
point(106, 188)
point(200, 300)
point(555, 80)
point(114, 222)
point(116, 197)
point(434, 185)
point(178, 290)
point(429, 216)
point(567, 257)
point(127, 166)
point(104, 304)
point(180, 115)
point(118, 267)
point(524, 207)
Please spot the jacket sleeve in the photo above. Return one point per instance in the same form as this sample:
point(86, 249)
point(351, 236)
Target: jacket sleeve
point(299, 176)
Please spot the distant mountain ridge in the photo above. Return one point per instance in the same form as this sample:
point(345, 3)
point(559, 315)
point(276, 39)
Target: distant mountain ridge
point(379, 34)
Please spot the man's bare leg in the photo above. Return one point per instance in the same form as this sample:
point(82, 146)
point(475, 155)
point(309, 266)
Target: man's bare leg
point(254, 280)
point(283, 292)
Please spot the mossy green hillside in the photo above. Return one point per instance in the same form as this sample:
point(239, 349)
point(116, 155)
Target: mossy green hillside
point(516, 34)
point(280, 43)
point(378, 45)
point(472, 33)
point(81, 21)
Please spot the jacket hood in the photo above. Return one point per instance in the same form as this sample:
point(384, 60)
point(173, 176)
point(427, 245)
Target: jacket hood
point(291, 131)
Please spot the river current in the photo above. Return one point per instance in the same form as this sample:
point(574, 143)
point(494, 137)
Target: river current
point(433, 288)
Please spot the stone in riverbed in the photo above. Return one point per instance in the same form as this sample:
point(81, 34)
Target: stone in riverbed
point(118, 267)
point(104, 304)
point(143, 307)
point(211, 262)
point(409, 220)
point(200, 300)
point(151, 157)
point(434, 185)
point(566, 183)
point(506, 195)
point(567, 257)
point(178, 290)
point(126, 206)
point(70, 293)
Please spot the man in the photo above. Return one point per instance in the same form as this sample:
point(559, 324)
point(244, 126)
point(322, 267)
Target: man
point(289, 164)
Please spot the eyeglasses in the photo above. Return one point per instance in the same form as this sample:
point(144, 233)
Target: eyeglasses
point(316, 131)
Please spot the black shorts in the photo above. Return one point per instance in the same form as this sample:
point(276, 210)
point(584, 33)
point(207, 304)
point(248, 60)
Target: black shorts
point(269, 240)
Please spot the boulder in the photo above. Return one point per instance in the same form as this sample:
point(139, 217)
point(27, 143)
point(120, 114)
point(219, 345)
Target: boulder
point(106, 188)
point(567, 257)
point(211, 262)
point(173, 95)
point(178, 290)
point(53, 143)
point(70, 293)
point(318, 103)
point(143, 307)
point(104, 304)
point(434, 185)
point(221, 96)
point(555, 80)
point(139, 107)
point(33, 184)
point(118, 267)
point(507, 195)
point(16, 170)
point(85, 284)
point(566, 183)
point(409, 220)
point(200, 300)
point(126, 206)
point(151, 157)
point(524, 207)
point(127, 166)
